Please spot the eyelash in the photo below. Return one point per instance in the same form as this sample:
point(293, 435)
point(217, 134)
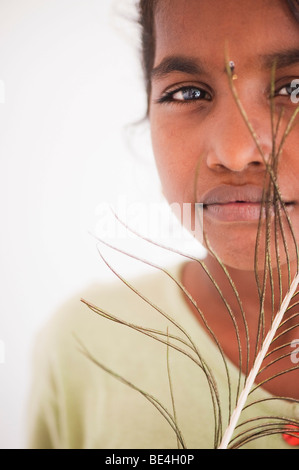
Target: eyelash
point(168, 96)
point(204, 95)
point(289, 92)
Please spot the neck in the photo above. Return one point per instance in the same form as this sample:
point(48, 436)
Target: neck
point(251, 311)
point(256, 290)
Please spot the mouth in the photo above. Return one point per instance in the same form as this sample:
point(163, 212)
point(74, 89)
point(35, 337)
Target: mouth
point(227, 203)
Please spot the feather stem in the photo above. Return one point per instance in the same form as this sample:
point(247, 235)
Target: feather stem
point(259, 359)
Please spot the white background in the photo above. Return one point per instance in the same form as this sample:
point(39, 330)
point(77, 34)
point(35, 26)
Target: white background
point(70, 73)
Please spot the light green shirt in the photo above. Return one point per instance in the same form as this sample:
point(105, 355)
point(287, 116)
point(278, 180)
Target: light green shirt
point(75, 404)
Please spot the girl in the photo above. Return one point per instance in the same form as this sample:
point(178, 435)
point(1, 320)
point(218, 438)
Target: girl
point(170, 368)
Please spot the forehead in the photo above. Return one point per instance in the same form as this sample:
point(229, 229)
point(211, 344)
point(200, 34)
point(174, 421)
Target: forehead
point(206, 28)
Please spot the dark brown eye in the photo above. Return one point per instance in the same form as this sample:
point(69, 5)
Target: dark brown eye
point(290, 89)
point(189, 94)
point(185, 94)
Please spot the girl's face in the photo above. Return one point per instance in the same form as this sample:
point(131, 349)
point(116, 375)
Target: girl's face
point(196, 124)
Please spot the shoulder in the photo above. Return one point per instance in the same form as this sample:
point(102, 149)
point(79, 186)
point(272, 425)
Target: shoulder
point(92, 315)
point(67, 384)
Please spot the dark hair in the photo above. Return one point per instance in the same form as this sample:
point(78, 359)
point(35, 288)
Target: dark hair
point(146, 20)
point(294, 6)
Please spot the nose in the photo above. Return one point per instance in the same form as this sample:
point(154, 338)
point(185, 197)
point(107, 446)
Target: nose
point(232, 145)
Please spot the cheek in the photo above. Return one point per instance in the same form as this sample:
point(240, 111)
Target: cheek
point(175, 154)
point(288, 171)
point(168, 159)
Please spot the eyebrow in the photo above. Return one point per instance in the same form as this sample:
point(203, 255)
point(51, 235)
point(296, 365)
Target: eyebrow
point(193, 66)
point(281, 59)
point(171, 64)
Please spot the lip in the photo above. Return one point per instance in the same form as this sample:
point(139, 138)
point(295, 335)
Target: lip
point(229, 203)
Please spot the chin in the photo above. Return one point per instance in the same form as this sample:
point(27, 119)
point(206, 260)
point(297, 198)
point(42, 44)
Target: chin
point(236, 247)
point(240, 255)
